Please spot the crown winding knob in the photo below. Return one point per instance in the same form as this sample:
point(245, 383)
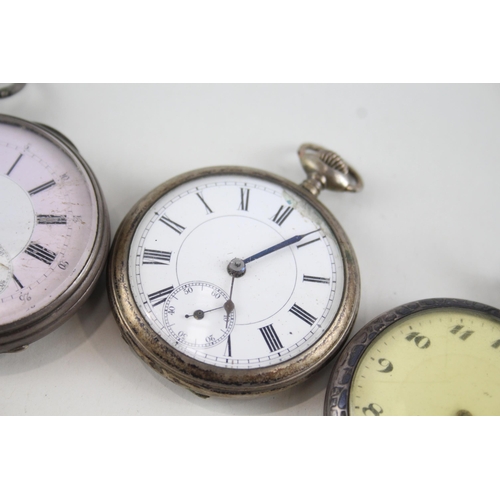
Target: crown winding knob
point(326, 169)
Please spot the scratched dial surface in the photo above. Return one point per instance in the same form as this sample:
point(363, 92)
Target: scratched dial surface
point(435, 362)
point(48, 227)
point(284, 302)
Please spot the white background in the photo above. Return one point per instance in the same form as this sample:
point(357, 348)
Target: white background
point(426, 224)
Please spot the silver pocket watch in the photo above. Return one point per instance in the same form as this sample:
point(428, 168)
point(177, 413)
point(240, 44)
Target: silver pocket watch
point(54, 232)
point(232, 281)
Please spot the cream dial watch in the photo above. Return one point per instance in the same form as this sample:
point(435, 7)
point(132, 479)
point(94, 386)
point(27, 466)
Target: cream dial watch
point(430, 357)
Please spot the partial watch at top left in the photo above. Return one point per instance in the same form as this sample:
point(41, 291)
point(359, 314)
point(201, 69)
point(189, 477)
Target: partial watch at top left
point(54, 231)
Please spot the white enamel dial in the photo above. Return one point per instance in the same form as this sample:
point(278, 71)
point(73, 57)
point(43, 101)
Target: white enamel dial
point(281, 305)
point(49, 217)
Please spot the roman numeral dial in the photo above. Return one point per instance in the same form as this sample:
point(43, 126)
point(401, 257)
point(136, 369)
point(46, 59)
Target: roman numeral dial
point(183, 258)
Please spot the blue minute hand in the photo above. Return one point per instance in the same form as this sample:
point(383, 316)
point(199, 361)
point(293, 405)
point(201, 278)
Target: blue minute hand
point(283, 244)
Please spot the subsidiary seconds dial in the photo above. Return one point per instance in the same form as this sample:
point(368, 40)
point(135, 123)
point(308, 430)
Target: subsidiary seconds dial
point(245, 282)
point(195, 316)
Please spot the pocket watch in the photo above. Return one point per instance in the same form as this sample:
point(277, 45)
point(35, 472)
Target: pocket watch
point(430, 357)
point(54, 232)
point(232, 281)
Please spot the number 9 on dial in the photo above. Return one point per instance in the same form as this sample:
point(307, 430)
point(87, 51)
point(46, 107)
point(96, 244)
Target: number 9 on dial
point(430, 357)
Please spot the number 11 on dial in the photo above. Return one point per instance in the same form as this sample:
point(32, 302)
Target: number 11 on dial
point(430, 357)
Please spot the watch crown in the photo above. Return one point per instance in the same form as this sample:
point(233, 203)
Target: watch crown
point(327, 169)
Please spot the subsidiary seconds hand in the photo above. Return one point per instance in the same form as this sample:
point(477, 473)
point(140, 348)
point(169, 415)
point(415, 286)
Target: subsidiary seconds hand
point(199, 314)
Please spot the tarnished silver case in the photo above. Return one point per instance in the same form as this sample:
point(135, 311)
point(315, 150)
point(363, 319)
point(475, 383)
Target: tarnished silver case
point(15, 336)
point(203, 379)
